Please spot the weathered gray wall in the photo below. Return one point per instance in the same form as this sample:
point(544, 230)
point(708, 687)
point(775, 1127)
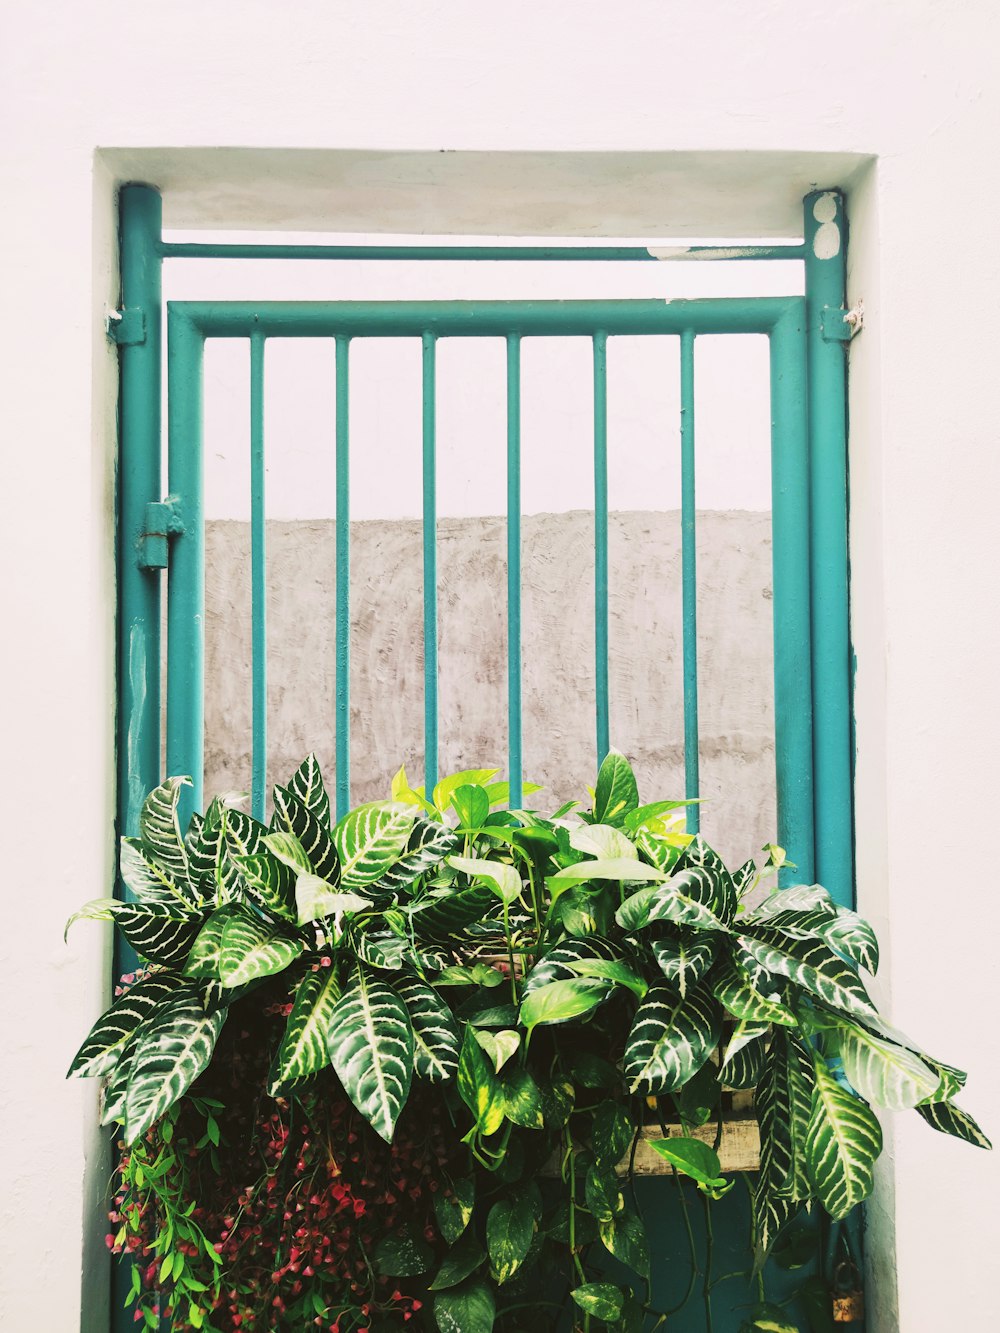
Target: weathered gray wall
point(735, 655)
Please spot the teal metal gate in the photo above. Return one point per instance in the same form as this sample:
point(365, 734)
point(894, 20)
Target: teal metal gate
point(162, 527)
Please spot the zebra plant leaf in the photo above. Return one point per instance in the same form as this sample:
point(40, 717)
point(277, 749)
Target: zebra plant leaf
point(428, 845)
point(303, 1048)
point(672, 1036)
point(149, 882)
point(160, 828)
point(436, 1038)
point(812, 965)
point(208, 849)
point(109, 1036)
point(306, 785)
point(158, 933)
point(172, 1049)
point(784, 1107)
point(843, 1142)
point(699, 856)
point(439, 916)
point(884, 1073)
point(852, 936)
point(685, 958)
point(268, 883)
point(252, 948)
point(295, 818)
point(370, 1041)
point(205, 956)
point(733, 988)
point(951, 1119)
point(242, 836)
point(370, 840)
point(689, 898)
point(557, 963)
point(744, 1067)
point(116, 1088)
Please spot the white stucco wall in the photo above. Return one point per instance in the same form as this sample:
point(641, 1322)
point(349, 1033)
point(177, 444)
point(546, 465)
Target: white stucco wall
point(724, 112)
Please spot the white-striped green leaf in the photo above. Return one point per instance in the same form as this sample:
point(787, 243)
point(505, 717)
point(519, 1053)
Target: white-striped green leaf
point(812, 965)
point(436, 1039)
point(370, 840)
point(698, 855)
point(370, 1040)
point(171, 1051)
point(286, 848)
point(672, 1036)
point(210, 867)
point(556, 965)
point(843, 1142)
point(428, 845)
point(303, 1048)
point(734, 989)
point(445, 914)
point(306, 783)
point(114, 1029)
point(805, 898)
point(852, 936)
point(291, 816)
point(160, 829)
point(744, 1066)
point(951, 1119)
point(689, 898)
point(149, 882)
point(743, 1033)
point(116, 1088)
point(784, 1106)
point(616, 794)
point(663, 850)
point(205, 956)
point(158, 933)
point(98, 909)
point(269, 883)
point(253, 948)
point(684, 959)
point(884, 1073)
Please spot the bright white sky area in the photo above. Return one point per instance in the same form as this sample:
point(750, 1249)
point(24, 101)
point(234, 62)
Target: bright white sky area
point(731, 388)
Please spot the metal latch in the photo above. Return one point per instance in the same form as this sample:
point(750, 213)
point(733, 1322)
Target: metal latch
point(127, 328)
point(839, 325)
point(163, 521)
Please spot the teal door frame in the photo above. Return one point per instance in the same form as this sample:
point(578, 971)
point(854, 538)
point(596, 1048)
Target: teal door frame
point(158, 531)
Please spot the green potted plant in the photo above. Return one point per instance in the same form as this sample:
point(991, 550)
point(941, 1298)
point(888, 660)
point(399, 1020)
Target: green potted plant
point(403, 1068)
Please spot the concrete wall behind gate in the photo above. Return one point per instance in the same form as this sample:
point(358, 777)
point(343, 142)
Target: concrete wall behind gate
point(646, 708)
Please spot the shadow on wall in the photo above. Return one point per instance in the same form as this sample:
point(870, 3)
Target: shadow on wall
point(734, 646)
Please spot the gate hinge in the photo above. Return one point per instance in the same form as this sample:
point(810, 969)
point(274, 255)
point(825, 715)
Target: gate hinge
point(163, 520)
point(126, 327)
point(839, 325)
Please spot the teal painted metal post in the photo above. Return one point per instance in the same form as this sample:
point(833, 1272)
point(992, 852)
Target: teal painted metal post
point(343, 546)
point(689, 582)
point(514, 745)
point(601, 543)
point(139, 481)
point(825, 265)
point(428, 342)
point(186, 580)
point(791, 601)
point(258, 580)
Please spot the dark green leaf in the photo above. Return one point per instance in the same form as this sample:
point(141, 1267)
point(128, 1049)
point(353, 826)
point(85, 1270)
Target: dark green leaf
point(460, 1262)
point(510, 1226)
point(601, 1300)
point(403, 1253)
point(469, 1308)
point(611, 1133)
point(625, 1238)
point(478, 1085)
point(453, 1207)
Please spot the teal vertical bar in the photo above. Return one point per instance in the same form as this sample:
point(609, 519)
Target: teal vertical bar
point(791, 601)
point(138, 482)
point(343, 546)
point(429, 344)
point(689, 584)
point(825, 266)
point(514, 723)
point(258, 578)
point(186, 584)
point(601, 542)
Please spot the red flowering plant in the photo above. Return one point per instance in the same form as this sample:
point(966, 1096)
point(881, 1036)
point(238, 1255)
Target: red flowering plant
point(397, 1070)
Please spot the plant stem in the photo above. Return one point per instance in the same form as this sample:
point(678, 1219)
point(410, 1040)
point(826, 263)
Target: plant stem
point(709, 1247)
